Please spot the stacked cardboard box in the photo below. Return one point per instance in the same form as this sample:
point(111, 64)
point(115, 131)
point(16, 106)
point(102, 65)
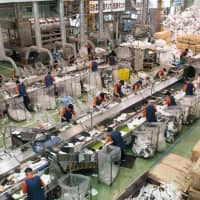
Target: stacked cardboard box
point(173, 169)
point(189, 41)
point(164, 35)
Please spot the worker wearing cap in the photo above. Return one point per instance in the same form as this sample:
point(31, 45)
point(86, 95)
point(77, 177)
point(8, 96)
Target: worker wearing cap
point(137, 86)
point(21, 90)
point(67, 113)
point(170, 100)
point(118, 89)
point(183, 56)
point(189, 88)
point(33, 186)
point(99, 100)
point(94, 66)
point(161, 73)
point(150, 112)
point(48, 80)
point(117, 140)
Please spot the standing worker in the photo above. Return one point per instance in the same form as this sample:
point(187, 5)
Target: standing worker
point(99, 100)
point(117, 140)
point(150, 112)
point(118, 89)
point(48, 80)
point(67, 113)
point(170, 100)
point(112, 58)
point(189, 88)
point(21, 90)
point(94, 66)
point(33, 186)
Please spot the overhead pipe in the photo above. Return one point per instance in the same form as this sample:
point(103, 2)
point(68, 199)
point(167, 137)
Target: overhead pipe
point(3, 56)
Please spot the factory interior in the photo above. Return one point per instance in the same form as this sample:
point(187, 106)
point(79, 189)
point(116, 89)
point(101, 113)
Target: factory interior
point(99, 99)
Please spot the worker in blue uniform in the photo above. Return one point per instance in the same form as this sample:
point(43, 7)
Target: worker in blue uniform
point(117, 140)
point(94, 66)
point(150, 112)
point(67, 113)
point(170, 100)
point(48, 80)
point(118, 89)
point(189, 88)
point(112, 58)
point(97, 101)
point(21, 90)
point(33, 186)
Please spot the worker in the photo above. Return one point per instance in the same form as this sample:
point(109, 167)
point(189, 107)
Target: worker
point(48, 80)
point(55, 66)
point(183, 56)
point(117, 140)
point(33, 186)
point(89, 49)
point(161, 73)
point(118, 89)
point(189, 88)
point(21, 90)
point(112, 58)
point(137, 85)
point(99, 100)
point(150, 112)
point(67, 113)
point(170, 100)
point(94, 66)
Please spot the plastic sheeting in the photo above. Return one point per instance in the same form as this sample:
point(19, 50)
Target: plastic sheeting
point(108, 168)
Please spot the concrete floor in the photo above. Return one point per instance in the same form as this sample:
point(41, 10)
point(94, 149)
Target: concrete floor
point(183, 146)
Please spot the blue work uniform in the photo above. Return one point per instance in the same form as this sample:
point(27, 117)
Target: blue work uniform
point(67, 115)
point(119, 90)
point(34, 189)
point(173, 102)
point(94, 66)
point(112, 60)
point(150, 114)
point(189, 89)
point(118, 141)
point(22, 89)
point(48, 81)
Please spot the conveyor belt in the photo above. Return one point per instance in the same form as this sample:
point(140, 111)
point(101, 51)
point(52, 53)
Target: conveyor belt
point(126, 103)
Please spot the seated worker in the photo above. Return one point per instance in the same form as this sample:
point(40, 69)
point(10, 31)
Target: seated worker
point(118, 89)
point(94, 66)
point(170, 100)
point(67, 113)
point(137, 85)
point(48, 80)
point(189, 88)
point(117, 140)
point(21, 90)
point(99, 100)
point(183, 56)
point(33, 186)
point(161, 73)
point(150, 112)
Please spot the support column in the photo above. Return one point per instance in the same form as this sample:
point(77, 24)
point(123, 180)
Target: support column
point(2, 49)
point(82, 22)
point(37, 25)
point(62, 22)
point(101, 20)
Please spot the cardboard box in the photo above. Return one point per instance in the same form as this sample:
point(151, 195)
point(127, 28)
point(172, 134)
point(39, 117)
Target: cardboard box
point(196, 152)
point(195, 174)
point(162, 35)
point(165, 174)
point(194, 194)
point(178, 162)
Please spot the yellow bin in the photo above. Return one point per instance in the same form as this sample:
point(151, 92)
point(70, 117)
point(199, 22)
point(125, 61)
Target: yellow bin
point(124, 74)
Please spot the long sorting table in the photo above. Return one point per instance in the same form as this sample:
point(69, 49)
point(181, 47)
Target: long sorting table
point(126, 103)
